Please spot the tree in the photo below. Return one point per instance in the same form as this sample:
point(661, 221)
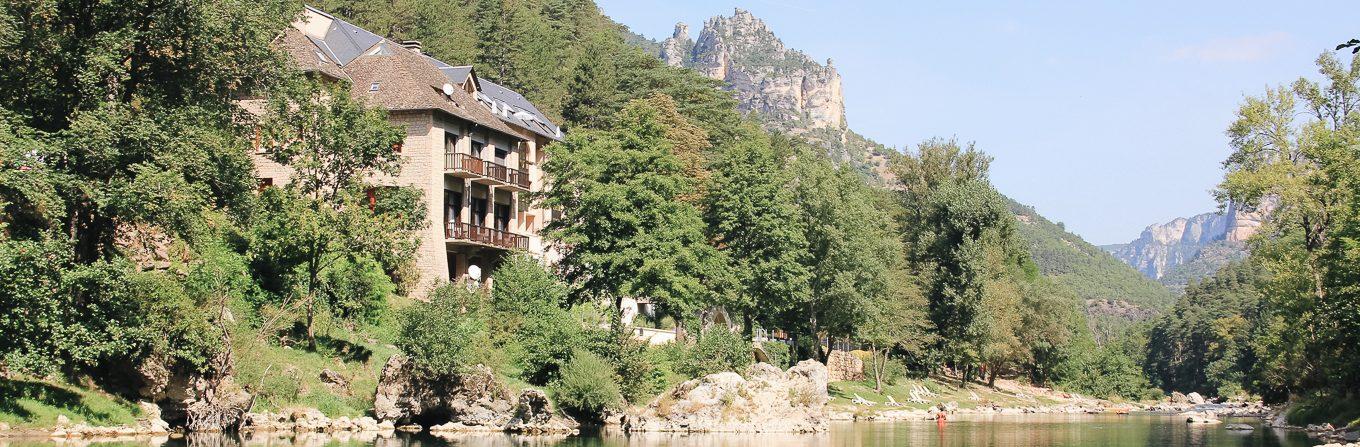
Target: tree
point(335, 146)
point(625, 230)
point(1294, 150)
point(897, 321)
point(850, 249)
point(753, 217)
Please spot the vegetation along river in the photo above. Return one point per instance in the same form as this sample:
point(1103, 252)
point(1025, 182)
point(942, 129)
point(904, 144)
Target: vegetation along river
point(1000, 431)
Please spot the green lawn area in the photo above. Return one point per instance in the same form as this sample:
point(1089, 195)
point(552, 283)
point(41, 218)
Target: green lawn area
point(33, 403)
point(842, 393)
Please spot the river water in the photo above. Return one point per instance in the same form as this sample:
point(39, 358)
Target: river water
point(1000, 431)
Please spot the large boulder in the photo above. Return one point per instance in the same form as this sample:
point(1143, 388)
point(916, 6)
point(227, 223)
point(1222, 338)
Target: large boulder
point(1195, 398)
point(534, 415)
point(472, 400)
point(765, 399)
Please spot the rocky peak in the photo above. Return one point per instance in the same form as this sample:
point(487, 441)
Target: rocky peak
point(793, 92)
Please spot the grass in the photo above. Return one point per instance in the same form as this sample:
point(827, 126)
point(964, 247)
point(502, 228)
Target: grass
point(842, 393)
point(285, 374)
point(1338, 411)
point(28, 403)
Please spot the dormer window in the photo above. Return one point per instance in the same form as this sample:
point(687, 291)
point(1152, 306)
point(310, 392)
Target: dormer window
point(373, 87)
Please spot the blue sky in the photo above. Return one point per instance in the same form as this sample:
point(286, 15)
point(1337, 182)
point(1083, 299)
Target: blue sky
point(1107, 116)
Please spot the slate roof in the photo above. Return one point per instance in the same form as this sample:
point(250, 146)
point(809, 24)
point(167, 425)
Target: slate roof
point(389, 75)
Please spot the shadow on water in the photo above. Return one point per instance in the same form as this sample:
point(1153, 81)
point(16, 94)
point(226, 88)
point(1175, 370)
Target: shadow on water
point(1000, 431)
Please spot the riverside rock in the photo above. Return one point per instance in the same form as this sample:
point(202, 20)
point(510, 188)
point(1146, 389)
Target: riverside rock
point(764, 399)
point(472, 401)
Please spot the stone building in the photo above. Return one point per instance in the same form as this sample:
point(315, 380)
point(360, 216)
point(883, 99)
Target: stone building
point(474, 148)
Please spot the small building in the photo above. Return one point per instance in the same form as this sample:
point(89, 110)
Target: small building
point(474, 148)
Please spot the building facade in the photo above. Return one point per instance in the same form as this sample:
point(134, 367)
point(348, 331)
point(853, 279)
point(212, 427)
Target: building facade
point(474, 148)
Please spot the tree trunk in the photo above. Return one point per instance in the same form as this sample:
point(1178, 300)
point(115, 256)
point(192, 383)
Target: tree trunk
point(879, 366)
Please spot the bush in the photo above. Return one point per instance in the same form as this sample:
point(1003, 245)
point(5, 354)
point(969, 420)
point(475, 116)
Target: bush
point(640, 377)
point(548, 342)
point(778, 352)
point(356, 290)
point(716, 351)
point(588, 385)
point(446, 334)
point(524, 288)
point(60, 317)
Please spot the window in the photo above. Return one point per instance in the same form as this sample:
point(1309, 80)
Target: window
point(373, 87)
point(502, 216)
point(478, 212)
point(500, 155)
point(453, 207)
point(477, 147)
point(264, 182)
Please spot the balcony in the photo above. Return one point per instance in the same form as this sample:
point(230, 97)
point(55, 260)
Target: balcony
point(477, 234)
point(467, 165)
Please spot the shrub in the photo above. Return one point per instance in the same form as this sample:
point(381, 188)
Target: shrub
point(524, 288)
point(588, 385)
point(356, 290)
point(446, 334)
point(639, 376)
point(548, 342)
point(778, 352)
point(716, 351)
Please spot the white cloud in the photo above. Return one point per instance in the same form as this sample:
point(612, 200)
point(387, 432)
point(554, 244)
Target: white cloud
point(1235, 49)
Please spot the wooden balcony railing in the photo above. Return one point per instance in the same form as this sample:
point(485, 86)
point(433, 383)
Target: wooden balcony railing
point(489, 169)
point(485, 235)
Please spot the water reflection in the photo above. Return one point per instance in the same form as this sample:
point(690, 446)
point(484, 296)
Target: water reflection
point(1000, 431)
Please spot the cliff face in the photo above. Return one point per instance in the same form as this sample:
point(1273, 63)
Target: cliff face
point(1164, 247)
point(786, 89)
point(783, 85)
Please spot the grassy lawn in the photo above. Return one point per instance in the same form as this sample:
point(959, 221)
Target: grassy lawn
point(34, 403)
point(842, 393)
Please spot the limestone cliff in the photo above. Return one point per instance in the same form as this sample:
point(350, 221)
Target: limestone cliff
point(788, 90)
point(1165, 251)
point(781, 84)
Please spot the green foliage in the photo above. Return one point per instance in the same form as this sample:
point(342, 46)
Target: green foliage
point(334, 144)
point(447, 334)
point(1111, 371)
point(1295, 152)
point(717, 350)
point(588, 385)
point(779, 354)
point(1203, 344)
point(626, 229)
point(1090, 272)
point(63, 317)
point(356, 290)
point(548, 341)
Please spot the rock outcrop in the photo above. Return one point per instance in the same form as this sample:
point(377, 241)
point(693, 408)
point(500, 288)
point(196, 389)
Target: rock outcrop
point(779, 83)
point(764, 399)
point(1163, 247)
point(473, 400)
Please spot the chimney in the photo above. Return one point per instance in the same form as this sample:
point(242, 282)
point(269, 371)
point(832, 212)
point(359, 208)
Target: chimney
point(413, 45)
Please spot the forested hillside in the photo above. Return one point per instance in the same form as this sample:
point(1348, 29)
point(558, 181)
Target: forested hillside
point(1114, 294)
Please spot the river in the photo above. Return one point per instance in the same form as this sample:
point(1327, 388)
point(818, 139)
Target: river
point(999, 431)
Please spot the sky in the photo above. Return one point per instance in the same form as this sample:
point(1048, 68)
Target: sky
point(1107, 116)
